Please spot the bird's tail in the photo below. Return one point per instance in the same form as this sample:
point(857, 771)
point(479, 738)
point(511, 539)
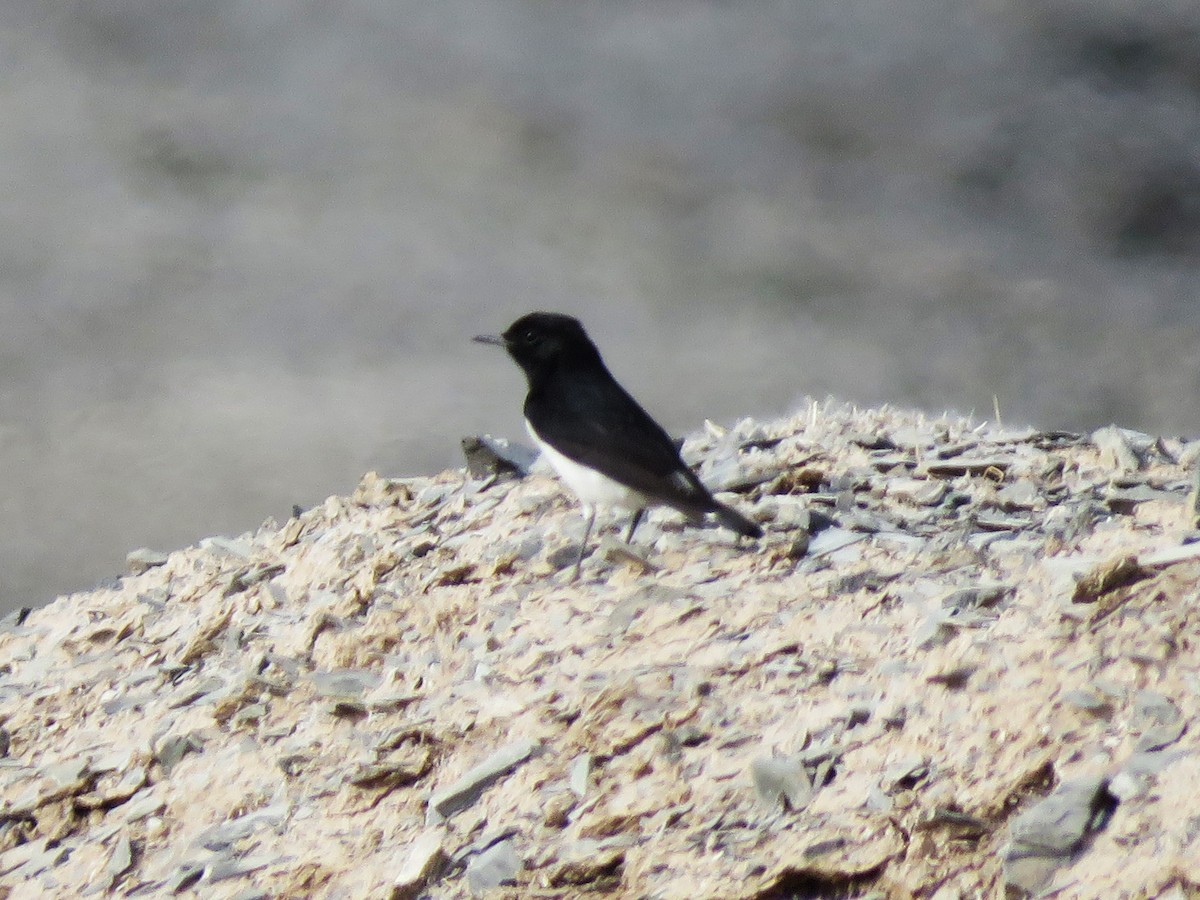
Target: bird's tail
point(735, 521)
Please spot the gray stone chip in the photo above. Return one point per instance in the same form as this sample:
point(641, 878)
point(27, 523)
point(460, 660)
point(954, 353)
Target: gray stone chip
point(782, 781)
point(144, 559)
point(497, 865)
point(488, 456)
point(1052, 831)
point(470, 787)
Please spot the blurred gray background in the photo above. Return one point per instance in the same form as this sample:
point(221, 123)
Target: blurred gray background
point(245, 243)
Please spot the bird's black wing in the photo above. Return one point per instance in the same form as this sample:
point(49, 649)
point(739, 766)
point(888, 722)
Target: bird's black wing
point(593, 421)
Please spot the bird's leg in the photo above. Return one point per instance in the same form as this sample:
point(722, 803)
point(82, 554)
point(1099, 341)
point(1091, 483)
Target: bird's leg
point(633, 524)
point(589, 513)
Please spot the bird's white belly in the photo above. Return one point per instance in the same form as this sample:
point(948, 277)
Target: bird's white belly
point(592, 488)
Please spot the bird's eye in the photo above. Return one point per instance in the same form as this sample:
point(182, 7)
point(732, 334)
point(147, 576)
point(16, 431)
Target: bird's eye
point(531, 337)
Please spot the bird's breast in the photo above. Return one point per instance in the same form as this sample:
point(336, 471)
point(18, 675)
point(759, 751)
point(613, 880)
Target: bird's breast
point(592, 487)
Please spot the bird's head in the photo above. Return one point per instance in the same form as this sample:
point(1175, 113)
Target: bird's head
point(540, 341)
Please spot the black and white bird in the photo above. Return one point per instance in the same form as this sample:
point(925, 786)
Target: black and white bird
point(607, 449)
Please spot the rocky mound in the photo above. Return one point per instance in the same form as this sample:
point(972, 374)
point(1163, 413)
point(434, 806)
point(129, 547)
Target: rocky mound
point(964, 658)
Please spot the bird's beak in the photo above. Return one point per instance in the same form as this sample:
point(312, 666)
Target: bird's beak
point(490, 339)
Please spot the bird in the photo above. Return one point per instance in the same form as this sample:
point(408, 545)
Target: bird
point(599, 440)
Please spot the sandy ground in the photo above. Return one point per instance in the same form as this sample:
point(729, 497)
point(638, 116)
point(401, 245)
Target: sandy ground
point(982, 674)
